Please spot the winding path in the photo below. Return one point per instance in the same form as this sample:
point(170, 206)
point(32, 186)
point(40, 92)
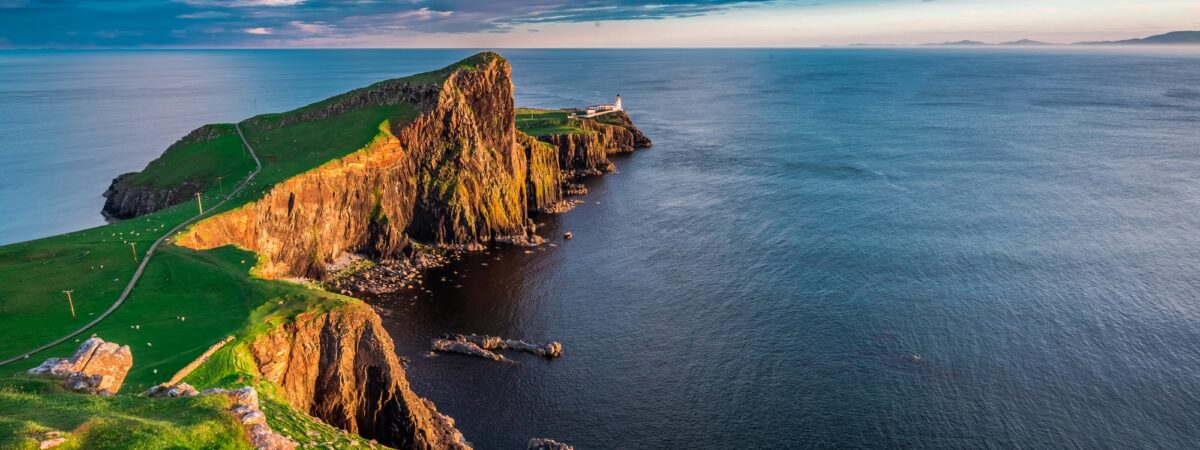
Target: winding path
point(137, 274)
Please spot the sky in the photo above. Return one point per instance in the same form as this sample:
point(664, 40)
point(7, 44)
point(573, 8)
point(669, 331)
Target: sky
point(576, 23)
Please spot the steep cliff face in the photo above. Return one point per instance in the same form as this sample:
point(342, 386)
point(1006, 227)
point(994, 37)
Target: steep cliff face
point(307, 220)
point(470, 173)
point(454, 176)
point(339, 367)
point(631, 138)
point(123, 200)
point(584, 154)
point(545, 180)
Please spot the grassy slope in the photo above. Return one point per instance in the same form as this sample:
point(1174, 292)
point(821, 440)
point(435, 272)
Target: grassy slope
point(185, 301)
point(30, 407)
point(96, 263)
point(542, 122)
point(223, 157)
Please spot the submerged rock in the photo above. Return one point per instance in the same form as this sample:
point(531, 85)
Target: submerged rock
point(526, 240)
point(575, 189)
point(481, 346)
point(465, 348)
point(559, 207)
point(547, 444)
point(97, 367)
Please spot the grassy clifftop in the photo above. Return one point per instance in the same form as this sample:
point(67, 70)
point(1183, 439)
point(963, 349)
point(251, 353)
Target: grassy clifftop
point(211, 159)
point(544, 122)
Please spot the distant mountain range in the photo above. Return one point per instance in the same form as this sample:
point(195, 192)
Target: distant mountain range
point(1025, 42)
point(1172, 38)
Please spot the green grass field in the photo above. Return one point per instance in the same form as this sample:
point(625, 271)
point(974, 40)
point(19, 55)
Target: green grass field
point(223, 157)
point(543, 122)
point(290, 150)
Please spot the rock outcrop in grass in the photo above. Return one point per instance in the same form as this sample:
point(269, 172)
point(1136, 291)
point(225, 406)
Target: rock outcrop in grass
point(244, 406)
point(97, 367)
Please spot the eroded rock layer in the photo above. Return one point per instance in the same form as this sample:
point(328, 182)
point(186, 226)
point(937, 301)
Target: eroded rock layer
point(545, 180)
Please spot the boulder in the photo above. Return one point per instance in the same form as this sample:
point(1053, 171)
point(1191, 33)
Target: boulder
point(97, 367)
point(51, 443)
point(245, 409)
point(169, 391)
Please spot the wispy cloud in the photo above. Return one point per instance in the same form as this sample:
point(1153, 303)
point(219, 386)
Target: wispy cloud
point(311, 28)
point(87, 23)
point(241, 3)
point(204, 15)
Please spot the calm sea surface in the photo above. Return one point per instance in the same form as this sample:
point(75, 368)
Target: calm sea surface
point(825, 248)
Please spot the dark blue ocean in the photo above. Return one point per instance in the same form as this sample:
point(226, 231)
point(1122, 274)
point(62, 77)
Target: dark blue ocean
point(829, 248)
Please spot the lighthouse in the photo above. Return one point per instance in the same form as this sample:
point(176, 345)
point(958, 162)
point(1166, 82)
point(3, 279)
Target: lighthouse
point(617, 105)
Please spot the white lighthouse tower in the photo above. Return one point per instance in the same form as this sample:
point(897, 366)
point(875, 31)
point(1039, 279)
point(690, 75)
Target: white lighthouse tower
point(617, 105)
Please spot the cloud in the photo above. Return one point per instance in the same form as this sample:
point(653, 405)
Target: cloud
point(311, 28)
point(242, 3)
point(219, 23)
point(230, 22)
point(204, 15)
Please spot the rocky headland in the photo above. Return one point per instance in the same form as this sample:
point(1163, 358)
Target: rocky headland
point(460, 176)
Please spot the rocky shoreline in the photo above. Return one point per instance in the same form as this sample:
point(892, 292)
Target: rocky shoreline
point(389, 276)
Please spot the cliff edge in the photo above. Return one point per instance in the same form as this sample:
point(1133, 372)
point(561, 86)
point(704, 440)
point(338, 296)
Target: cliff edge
point(340, 367)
